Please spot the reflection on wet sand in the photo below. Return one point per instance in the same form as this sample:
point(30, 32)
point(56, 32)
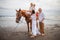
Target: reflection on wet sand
point(10, 30)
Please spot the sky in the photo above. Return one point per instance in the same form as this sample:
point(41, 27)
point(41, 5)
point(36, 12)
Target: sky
point(24, 4)
point(9, 6)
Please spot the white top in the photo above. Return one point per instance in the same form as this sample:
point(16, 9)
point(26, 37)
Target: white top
point(33, 17)
point(32, 8)
point(41, 17)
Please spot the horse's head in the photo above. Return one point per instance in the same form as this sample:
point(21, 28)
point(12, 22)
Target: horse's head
point(21, 13)
point(18, 15)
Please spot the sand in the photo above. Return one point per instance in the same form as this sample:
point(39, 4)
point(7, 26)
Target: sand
point(10, 30)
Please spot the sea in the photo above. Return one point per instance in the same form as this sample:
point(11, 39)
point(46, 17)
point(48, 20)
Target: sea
point(8, 17)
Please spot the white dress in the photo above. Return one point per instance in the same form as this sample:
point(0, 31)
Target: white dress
point(34, 28)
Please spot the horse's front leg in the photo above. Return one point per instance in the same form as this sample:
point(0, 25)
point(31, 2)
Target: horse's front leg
point(28, 26)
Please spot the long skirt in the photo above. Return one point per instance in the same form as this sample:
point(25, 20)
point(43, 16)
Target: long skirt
point(35, 30)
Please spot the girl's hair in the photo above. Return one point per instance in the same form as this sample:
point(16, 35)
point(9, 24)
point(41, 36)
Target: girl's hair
point(33, 11)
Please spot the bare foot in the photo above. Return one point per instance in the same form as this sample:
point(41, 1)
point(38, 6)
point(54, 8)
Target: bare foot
point(39, 34)
point(32, 36)
point(30, 33)
point(43, 34)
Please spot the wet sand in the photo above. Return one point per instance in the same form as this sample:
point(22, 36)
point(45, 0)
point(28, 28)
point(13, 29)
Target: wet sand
point(9, 30)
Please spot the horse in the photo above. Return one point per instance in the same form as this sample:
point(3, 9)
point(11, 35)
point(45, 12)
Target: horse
point(20, 13)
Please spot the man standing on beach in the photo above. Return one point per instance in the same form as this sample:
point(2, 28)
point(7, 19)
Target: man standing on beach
point(41, 21)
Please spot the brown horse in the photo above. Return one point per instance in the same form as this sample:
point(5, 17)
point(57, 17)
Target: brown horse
point(20, 13)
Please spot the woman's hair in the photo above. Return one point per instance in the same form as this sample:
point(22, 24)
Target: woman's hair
point(33, 11)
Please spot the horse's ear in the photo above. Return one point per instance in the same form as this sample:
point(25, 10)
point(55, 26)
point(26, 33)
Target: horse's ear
point(16, 10)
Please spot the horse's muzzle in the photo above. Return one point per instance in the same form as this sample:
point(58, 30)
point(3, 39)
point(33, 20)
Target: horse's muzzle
point(17, 20)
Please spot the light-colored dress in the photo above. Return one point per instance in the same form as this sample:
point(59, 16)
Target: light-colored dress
point(34, 28)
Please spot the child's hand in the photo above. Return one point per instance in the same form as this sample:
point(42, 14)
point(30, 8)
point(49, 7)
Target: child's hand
point(42, 20)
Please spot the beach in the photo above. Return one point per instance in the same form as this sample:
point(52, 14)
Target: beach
point(10, 30)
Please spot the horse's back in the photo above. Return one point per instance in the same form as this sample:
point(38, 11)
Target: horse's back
point(23, 10)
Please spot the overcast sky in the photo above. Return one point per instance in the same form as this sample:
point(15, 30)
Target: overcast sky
point(50, 7)
point(24, 4)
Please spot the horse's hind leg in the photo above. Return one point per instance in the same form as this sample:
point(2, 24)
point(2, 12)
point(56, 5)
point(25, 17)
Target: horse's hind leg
point(30, 26)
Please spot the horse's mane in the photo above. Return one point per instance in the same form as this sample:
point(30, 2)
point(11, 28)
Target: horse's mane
point(23, 10)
